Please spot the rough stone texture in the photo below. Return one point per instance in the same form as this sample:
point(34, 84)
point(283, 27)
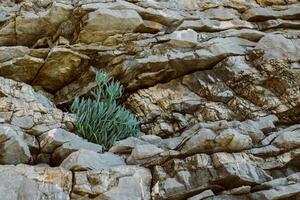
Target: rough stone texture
point(61, 67)
point(105, 22)
point(116, 183)
point(30, 182)
point(215, 84)
point(180, 178)
point(15, 145)
point(90, 160)
point(61, 144)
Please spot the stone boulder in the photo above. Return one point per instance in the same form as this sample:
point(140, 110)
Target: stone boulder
point(17, 63)
point(61, 143)
point(208, 141)
point(61, 67)
point(106, 22)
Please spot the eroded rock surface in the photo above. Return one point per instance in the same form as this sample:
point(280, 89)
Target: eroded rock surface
point(30, 182)
point(123, 182)
point(215, 84)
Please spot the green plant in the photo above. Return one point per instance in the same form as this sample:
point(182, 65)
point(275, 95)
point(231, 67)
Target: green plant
point(100, 119)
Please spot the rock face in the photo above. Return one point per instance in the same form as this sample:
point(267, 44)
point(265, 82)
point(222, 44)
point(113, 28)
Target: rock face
point(89, 160)
point(124, 182)
point(104, 22)
point(29, 182)
point(215, 84)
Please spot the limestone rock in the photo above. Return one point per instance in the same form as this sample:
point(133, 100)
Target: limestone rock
point(14, 147)
point(240, 5)
point(30, 110)
point(215, 85)
point(30, 182)
point(128, 145)
point(10, 88)
point(180, 178)
point(207, 141)
point(31, 26)
point(17, 64)
point(202, 195)
point(61, 67)
point(150, 27)
point(260, 14)
point(272, 49)
point(279, 188)
point(238, 191)
point(116, 183)
point(185, 38)
point(141, 152)
point(147, 71)
point(209, 25)
point(82, 86)
point(62, 143)
point(105, 22)
point(288, 140)
point(90, 160)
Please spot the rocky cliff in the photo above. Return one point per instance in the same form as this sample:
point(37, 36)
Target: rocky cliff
point(215, 84)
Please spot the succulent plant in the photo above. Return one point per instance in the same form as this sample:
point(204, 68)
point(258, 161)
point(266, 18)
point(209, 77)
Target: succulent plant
point(100, 119)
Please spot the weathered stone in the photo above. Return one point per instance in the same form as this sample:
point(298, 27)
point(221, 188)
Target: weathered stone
point(10, 88)
point(25, 122)
point(116, 183)
point(247, 171)
point(14, 147)
point(177, 179)
point(184, 38)
point(105, 22)
point(208, 141)
point(141, 152)
point(261, 14)
point(82, 86)
point(274, 49)
point(126, 145)
point(150, 27)
point(202, 195)
point(147, 71)
point(282, 188)
point(278, 23)
point(62, 143)
point(166, 17)
point(280, 161)
point(288, 140)
point(31, 182)
point(208, 25)
point(238, 191)
point(21, 69)
point(61, 67)
point(240, 5)
point(30, 26)
point(90, 160)
point(219, 78)
point(275, 2)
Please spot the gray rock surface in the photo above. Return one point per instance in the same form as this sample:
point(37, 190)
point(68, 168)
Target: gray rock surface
point(90, 160)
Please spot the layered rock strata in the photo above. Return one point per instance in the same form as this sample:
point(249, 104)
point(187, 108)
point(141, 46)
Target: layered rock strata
point(215, 84)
